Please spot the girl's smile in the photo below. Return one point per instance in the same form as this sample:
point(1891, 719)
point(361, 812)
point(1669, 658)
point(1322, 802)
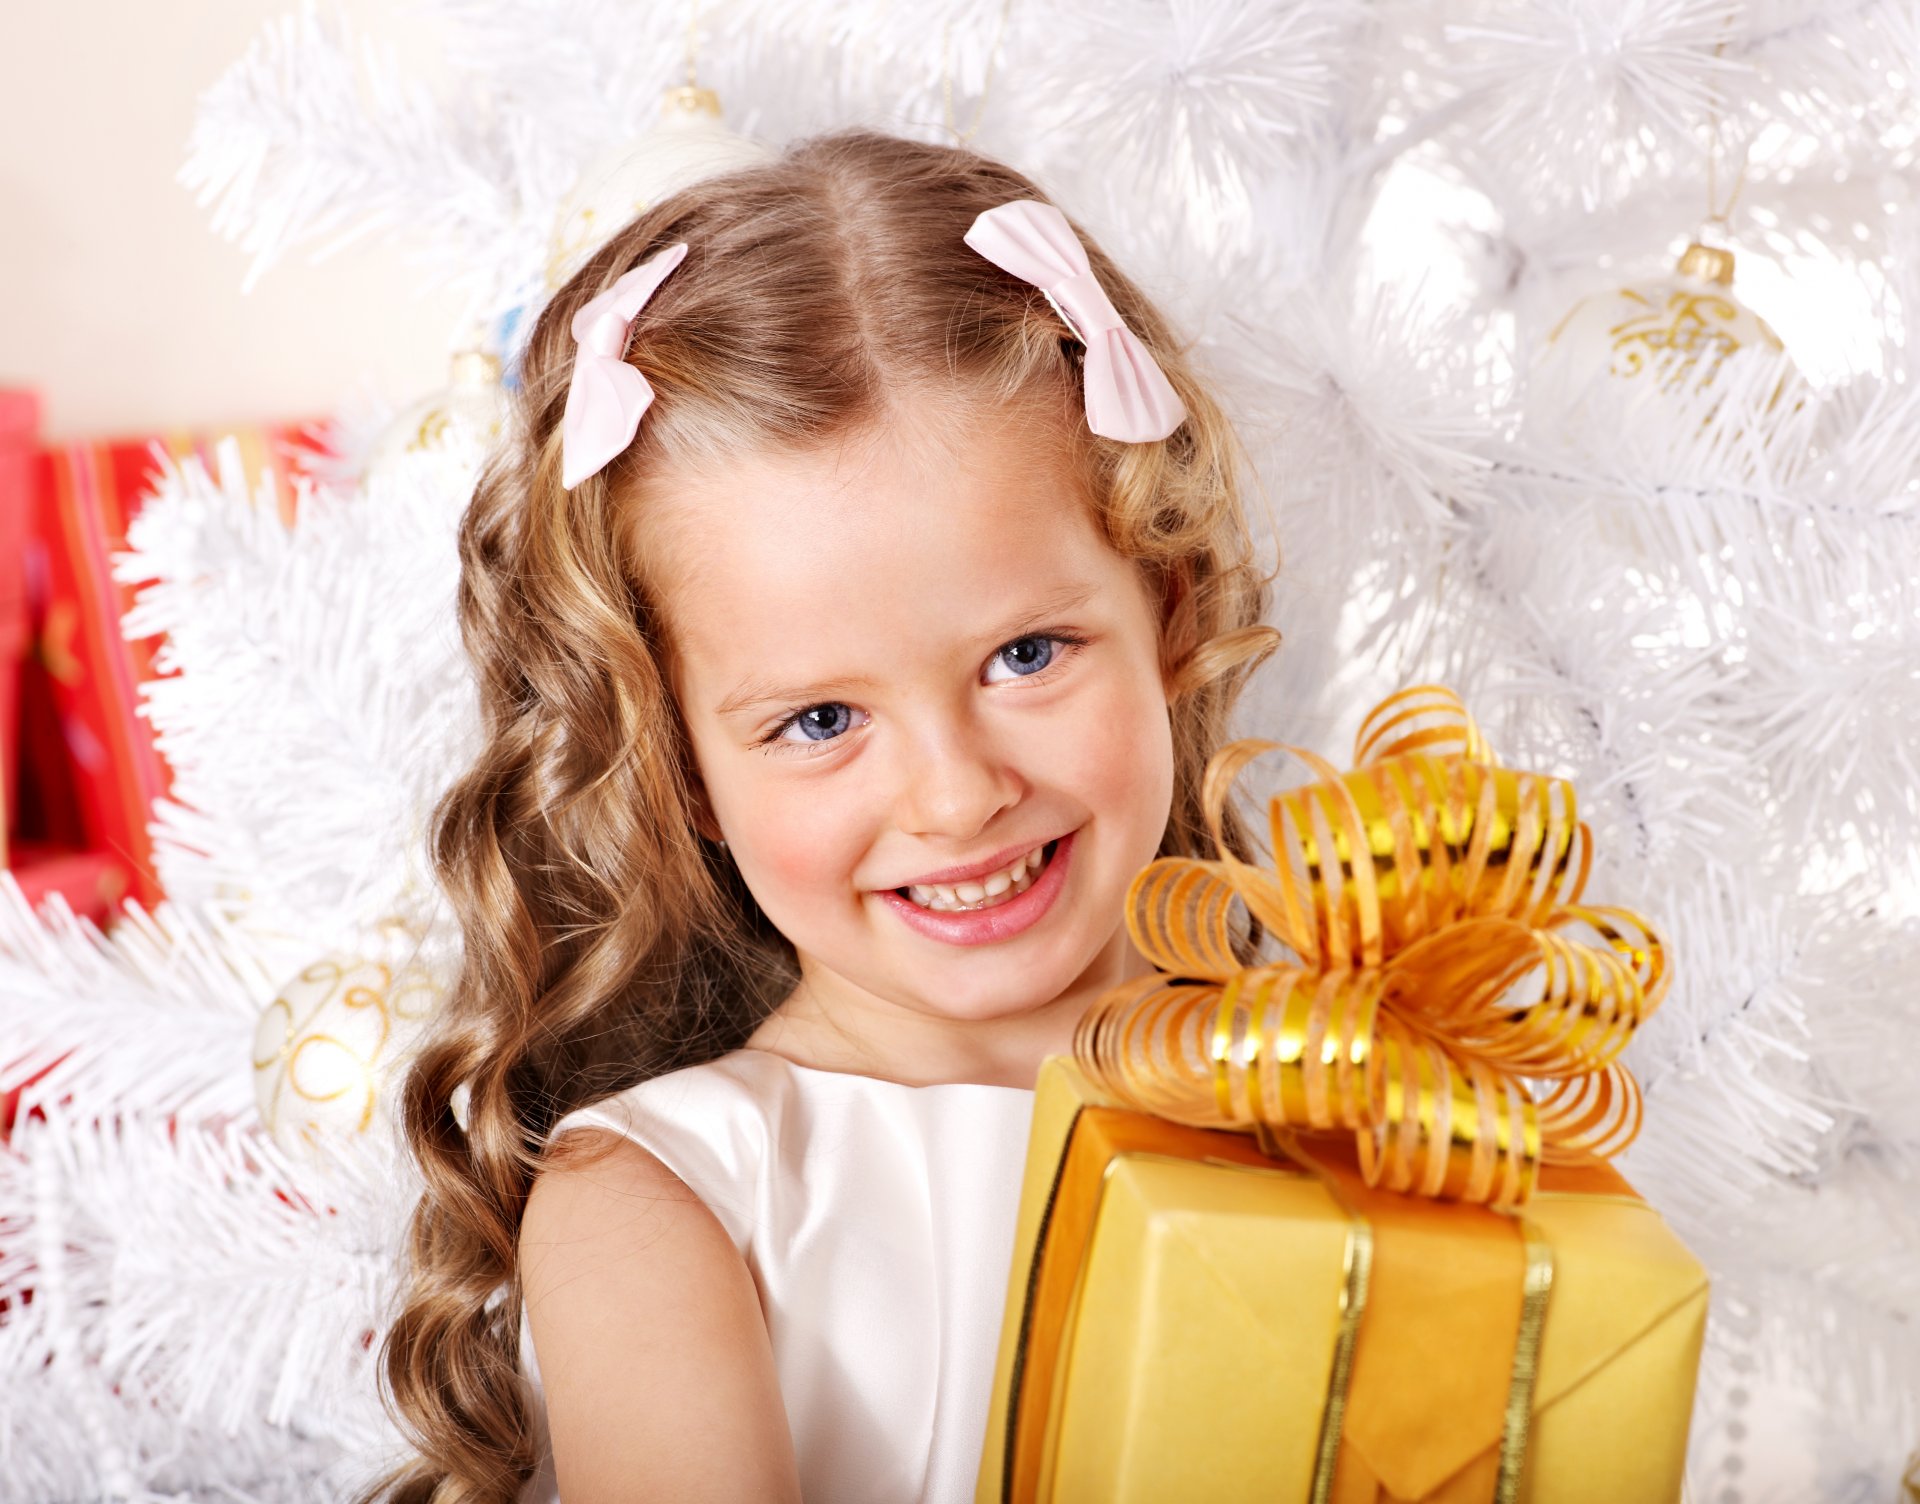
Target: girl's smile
point(1010, 898)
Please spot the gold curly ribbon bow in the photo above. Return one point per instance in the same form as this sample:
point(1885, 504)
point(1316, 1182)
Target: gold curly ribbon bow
point(1429, 1001)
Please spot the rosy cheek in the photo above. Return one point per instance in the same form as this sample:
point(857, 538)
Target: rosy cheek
point(798, 838)
point(1116, 743)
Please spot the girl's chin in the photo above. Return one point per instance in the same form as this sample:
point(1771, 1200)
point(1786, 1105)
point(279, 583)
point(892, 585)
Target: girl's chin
point(978, 985)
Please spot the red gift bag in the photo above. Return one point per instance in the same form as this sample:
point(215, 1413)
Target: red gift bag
point(88, 768)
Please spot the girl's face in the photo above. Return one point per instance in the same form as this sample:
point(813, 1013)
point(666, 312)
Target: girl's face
point(906, 664)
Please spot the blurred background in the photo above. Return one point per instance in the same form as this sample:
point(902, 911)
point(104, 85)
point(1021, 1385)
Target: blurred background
point(115, 301)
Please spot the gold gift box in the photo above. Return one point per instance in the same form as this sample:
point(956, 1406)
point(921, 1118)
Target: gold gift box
point(1207, 1322)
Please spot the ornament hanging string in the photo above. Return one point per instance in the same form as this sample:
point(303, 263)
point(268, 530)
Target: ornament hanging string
point(1720, 216)
point(960, 138)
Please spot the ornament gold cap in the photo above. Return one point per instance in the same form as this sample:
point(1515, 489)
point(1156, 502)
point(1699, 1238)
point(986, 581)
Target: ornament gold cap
point(1707, 263)
point(476, 368)
point(689, 99)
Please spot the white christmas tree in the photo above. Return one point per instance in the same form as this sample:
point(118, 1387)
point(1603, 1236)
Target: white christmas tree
point(1427, 251)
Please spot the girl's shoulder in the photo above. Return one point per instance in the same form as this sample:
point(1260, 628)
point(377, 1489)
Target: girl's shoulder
point(758, 1095)
point(734, 1089)
point(743, 1131)
point(715, 1125)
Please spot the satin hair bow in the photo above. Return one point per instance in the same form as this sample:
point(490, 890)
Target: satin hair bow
point(607, 396)
point(1128, 395)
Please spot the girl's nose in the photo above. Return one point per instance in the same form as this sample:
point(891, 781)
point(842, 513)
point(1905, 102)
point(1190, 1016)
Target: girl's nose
point(953, 781)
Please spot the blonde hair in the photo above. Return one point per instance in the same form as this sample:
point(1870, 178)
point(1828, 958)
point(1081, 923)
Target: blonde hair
point(605, 940)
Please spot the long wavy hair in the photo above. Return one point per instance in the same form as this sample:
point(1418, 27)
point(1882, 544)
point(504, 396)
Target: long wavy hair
point(606, 941)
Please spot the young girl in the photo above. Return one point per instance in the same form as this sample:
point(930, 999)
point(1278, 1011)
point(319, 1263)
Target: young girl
point(855, 608)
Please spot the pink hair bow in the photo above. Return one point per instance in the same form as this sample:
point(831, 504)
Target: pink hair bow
point(607, 397)
point(1128, 395)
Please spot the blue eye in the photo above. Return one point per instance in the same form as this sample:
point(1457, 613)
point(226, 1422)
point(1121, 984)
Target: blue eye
point(818, 723)
point(1024, 656)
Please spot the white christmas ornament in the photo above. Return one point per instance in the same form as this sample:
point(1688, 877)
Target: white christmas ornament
point(691, 142)
point(327, 1044)
point(1671, 335)
point(469, 412)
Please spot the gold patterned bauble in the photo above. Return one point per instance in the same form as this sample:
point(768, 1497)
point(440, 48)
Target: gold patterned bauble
point(471, 411)
point(689, 143)
point(1668, 334)
point(327, 1044)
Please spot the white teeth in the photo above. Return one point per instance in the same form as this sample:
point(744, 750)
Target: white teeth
point(984, 892)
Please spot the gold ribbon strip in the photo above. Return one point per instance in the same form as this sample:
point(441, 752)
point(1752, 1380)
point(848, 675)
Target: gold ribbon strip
point(1429, 987)
point(1355, 1285)
point(1518, 1428)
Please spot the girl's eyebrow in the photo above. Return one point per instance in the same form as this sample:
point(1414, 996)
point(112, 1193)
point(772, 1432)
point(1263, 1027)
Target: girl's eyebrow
point(751, 692)
point(754, 692)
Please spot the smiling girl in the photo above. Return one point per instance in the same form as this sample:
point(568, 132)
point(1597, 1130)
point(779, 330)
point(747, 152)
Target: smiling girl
point(854, 616)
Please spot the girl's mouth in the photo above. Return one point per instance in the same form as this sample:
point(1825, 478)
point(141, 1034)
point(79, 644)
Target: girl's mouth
point(987, 892)
point(987, 917)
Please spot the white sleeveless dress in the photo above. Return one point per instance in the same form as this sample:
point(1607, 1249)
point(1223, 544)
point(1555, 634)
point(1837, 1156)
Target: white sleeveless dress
point(877, 1220)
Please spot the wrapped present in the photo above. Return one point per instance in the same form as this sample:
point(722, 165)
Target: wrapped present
point(19, 434)
point(102, 769)
point(90, 883)
point(1191, 1318)
point(1321, 1210)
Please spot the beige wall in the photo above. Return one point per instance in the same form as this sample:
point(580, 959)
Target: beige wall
point(116, 300)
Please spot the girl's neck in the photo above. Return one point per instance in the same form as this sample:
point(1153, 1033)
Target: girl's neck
point(835, 1028)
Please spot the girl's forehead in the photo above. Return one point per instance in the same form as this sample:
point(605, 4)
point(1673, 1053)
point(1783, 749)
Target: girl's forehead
point(878, 536)
point(886, 502)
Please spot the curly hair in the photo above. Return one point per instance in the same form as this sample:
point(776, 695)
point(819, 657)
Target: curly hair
point(605, 940)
